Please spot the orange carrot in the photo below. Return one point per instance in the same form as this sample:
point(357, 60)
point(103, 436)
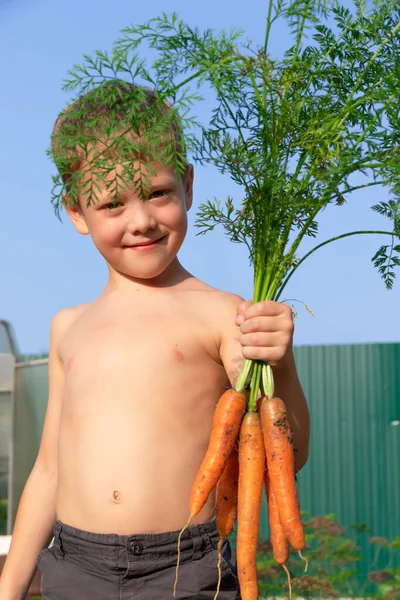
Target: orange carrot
point(227, 419)
point(226, 504)
point(226, 424)
point(251, 477)
point(280, 549)
point(226, 497)
point(280, 461)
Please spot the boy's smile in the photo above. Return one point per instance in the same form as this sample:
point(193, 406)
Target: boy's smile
point(139, 238)
point(147, 245)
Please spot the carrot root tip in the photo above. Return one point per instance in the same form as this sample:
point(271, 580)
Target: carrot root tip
point(179, 553)
point(289, 582)
point(220, 543)
point(303, 558)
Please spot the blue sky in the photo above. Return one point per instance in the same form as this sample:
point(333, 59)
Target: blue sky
point(46, 265)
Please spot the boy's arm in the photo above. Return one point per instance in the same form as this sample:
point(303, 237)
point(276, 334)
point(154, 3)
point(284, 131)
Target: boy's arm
point(37, 508)
point(287, 383)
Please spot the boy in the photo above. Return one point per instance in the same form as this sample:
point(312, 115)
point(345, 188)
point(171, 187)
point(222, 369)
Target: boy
point(134, 378)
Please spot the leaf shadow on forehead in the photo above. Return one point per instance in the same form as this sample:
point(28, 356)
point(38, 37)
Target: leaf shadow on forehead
point(114, 125)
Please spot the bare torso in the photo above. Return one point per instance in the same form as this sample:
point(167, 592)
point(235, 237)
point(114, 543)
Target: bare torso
point(142, 379)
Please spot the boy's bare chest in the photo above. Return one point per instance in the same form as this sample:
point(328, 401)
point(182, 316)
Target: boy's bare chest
point(142, 351)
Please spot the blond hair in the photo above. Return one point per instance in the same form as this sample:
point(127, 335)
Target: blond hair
point(121, 120)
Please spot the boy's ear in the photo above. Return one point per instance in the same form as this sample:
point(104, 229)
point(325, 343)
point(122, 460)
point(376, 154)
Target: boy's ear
point(75, 214)
point(188, 181)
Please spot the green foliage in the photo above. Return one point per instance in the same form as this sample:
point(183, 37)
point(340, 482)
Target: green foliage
point(332, 563)
point(111, 124)
point(386, 579)
point(385, 258)
point(332, 568)
point(292, 131)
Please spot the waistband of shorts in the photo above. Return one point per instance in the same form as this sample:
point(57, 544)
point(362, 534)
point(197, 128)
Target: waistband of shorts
point(196, 539)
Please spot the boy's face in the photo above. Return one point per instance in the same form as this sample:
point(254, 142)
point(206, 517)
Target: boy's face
point(139, 238)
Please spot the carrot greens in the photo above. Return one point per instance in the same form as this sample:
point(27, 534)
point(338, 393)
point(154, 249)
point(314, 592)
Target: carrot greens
point(296, 132)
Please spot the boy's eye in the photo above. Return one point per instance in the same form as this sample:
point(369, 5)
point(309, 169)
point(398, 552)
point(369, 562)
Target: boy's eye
point(159, 193)
point(118, 203)
point(113, 205)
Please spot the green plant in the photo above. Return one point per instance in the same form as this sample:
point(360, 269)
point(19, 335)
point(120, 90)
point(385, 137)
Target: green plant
point(295, 132)
point(332, 569)
point(332, 560)
point(387, 579)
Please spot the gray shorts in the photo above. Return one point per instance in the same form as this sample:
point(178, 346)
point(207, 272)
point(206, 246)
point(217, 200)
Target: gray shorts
point(95, 566)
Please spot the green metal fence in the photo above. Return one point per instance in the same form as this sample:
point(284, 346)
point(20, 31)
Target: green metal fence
point(354, 466)
point(354, 398)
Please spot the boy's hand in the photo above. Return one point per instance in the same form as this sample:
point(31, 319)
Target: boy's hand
point(266, 332)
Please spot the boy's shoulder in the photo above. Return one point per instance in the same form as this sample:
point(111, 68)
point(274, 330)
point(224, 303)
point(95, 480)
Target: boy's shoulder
point(66, 316)
point(219, 310)
point(220, 304)
point(64, 319)
point(217, 296)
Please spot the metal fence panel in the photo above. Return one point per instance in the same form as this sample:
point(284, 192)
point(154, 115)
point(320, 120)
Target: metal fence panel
point(5, 440)
point(353, 471)
point(31, 392)
point(8, 350)
point(7, 338)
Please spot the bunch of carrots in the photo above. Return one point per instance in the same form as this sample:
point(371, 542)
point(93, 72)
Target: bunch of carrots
point(250, 449)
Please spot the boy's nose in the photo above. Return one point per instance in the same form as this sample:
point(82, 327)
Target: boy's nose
point(140, 219)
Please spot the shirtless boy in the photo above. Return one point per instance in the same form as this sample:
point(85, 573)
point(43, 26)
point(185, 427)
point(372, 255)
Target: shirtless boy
point(134, 378)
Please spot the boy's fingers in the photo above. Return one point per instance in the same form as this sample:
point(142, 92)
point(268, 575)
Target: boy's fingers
point(268, 308)
point(241, 309)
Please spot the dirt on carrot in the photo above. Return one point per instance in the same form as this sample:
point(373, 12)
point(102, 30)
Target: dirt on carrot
point(280, 548)
point(227, 495)
point(281, 468)
point(226, 424)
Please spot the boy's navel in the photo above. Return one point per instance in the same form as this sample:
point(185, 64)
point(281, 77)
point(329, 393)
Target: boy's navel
point(117, 497)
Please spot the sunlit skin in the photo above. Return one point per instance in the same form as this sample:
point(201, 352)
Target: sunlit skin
point(120, 227)
point(136, 374)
